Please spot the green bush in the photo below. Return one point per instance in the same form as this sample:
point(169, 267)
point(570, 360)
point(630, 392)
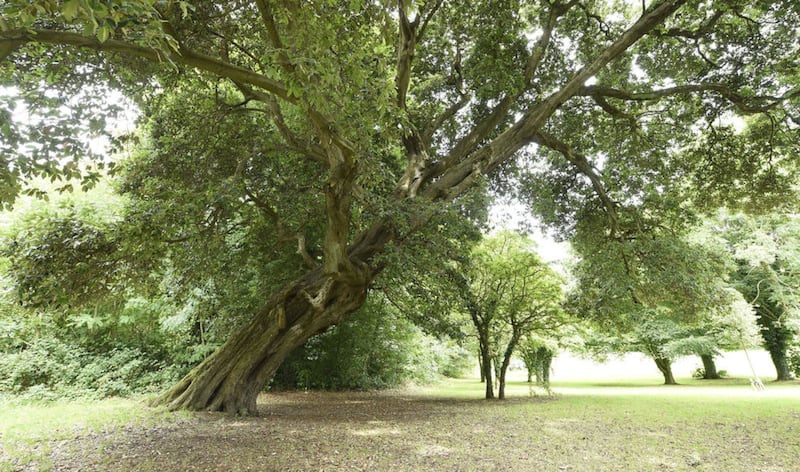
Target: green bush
point(700, 373)
point(51, 368)
point(793, 357)
point(374, 349)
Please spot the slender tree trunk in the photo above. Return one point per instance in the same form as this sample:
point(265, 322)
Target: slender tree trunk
point(512, 344)
point(709, 367)
point(486, 363)
point(480, 365)
point(665, 366)
point(530, 375)
point(501, 383)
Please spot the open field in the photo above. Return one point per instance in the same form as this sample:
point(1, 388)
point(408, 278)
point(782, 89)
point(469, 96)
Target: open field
point(633, 424)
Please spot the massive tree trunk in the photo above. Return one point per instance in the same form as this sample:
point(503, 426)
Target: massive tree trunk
point(665, 366)
point(230, 379)
point(709, 367)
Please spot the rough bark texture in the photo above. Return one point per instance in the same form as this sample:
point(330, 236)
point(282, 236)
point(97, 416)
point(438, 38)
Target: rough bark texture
point(665, 366)
point(709, 367)
point(231, 378)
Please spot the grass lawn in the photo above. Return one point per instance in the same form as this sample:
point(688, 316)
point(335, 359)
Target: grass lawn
point(635, 425)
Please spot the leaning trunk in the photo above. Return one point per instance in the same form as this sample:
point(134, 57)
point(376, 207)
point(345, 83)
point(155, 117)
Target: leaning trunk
point(709, 367)
point(665, 366)
point(231, 378)
point(512, 344)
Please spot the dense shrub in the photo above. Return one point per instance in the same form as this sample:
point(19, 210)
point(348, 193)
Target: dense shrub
point(374, 349)
point(793, 357)
point(51, 368)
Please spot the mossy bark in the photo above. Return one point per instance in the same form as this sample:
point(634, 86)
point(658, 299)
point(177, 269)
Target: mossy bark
point(545, 364)
point(782, 369)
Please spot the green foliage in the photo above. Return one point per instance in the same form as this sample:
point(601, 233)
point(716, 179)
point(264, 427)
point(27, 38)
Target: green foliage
point(272, 136)
point(793, 356)
point(50, 368)
point(375, 348)
point(767, 252)
point(700, 373)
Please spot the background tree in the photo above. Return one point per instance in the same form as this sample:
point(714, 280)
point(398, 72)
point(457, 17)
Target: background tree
point(394, 110)
point(508, 292)
point(649, 291)
point(766, 252)
point(728, 327)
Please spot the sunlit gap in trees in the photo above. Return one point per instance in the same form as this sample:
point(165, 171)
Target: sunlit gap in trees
point(508, 213)
point(90, 149)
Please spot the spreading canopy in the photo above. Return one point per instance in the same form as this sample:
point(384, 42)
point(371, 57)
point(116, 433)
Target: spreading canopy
point(349, 124)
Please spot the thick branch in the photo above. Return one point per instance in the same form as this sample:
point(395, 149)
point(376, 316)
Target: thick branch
point(460, 175)
point(186, 56)
point(501, 110)
point(407, 43)
point(267, 17)
point(436, 123)
point(756, 104)
point(704, 28)
point(583, 165)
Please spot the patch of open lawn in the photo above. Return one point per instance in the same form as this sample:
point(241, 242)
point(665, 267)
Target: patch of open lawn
point(709, 426)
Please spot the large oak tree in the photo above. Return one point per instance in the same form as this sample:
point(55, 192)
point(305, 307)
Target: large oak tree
point(350, 124)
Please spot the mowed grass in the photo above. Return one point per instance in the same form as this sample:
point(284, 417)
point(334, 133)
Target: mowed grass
point(634, 425)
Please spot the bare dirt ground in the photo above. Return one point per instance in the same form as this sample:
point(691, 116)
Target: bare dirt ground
point(404, 431)
point(305, 431)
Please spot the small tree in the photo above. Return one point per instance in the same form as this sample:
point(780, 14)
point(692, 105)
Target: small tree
point(508, 292)
point(537, 353)
point(767, 252)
